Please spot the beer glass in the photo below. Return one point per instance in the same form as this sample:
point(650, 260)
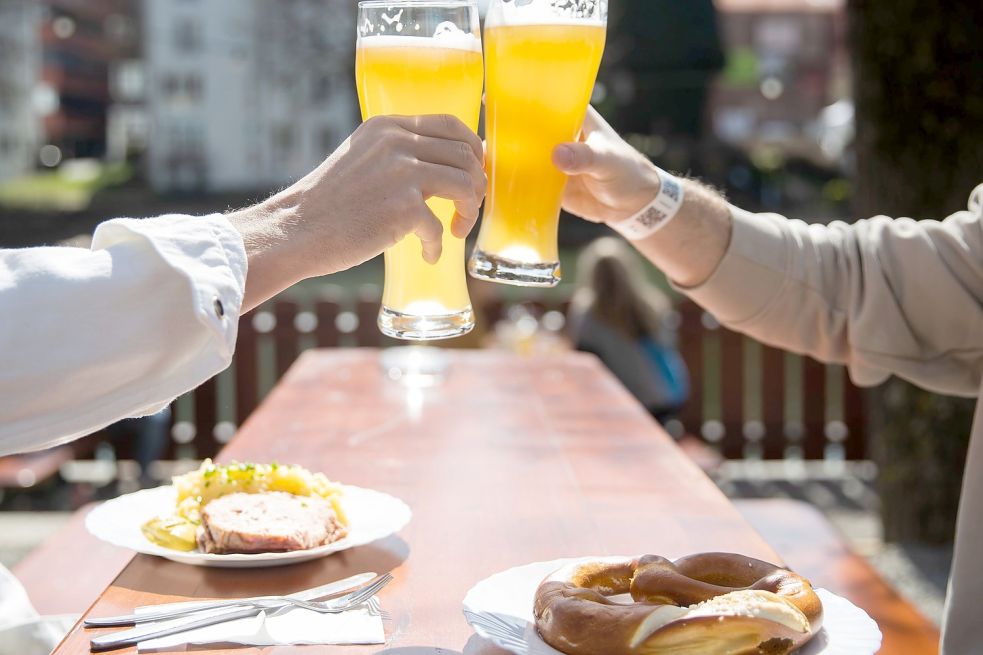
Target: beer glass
point(541, 62)
point(415, 58)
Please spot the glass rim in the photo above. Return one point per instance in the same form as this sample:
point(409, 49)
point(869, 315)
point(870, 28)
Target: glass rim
point(424, 4)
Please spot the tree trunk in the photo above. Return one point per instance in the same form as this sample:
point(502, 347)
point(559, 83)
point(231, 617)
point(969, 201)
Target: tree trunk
point(919, 91)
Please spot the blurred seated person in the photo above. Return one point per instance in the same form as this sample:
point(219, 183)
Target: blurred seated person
point(618, 314)
point(148, 437)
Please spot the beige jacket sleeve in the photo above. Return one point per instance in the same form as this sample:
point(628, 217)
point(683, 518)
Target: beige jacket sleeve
point(882, 296)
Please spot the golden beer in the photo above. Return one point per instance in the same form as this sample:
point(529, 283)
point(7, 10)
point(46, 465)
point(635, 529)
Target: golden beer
point(408, 75)
point(540, 77)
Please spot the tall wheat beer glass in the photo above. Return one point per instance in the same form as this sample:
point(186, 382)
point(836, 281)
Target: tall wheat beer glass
point(541, 61)
point(415, 58)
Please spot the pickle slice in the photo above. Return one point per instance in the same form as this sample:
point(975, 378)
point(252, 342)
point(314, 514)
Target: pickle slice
point(171, 532)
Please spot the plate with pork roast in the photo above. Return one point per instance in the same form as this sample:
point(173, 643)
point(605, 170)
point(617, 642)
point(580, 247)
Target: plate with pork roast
point(248, 515)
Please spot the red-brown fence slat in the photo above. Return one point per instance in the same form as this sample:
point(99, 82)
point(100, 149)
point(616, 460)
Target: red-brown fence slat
point(813, 409)
point(732, 392)
point(327, 335)
point(246, 370)
point(773, 402)
point(206, 416)
point(691, 340)
point(285, 336)
point(853, 417)
point(367, 309)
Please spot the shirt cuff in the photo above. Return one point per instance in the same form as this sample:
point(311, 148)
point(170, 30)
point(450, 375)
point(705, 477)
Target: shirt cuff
point(207, 250)
point(752, 272)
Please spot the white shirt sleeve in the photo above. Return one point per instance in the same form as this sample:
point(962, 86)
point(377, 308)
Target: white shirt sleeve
point(88, 337)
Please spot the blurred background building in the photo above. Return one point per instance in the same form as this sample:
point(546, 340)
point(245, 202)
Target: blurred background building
point(245, 94)
point(787, 64)
point(74, 91)
point(198, 96)
point(128, 120)
point(20, 70)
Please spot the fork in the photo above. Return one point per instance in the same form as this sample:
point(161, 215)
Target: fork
point(336, 606)
point(353, 599)
point(505, 633)
point(168, 611)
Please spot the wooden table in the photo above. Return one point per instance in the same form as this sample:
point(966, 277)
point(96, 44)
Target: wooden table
point(508, 461)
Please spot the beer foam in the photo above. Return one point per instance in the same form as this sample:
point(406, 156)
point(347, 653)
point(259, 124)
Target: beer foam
point(456, 41)
point(547, 12)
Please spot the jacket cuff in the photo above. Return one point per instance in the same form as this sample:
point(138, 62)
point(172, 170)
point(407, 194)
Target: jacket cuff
point(752, 272)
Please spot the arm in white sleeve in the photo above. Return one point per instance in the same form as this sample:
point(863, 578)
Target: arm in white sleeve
point(88, 337)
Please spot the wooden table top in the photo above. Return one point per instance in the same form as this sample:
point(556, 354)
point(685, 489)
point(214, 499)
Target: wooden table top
point(508, 461)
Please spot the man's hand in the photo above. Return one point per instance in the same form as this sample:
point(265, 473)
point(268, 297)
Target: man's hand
point(610, 181)
point(367, 196)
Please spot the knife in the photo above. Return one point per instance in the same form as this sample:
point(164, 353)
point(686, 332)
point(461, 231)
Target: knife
point(184, 608)
point(136, 635)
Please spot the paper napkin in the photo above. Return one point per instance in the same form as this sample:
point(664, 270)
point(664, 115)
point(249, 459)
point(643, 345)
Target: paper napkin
point(286, 627)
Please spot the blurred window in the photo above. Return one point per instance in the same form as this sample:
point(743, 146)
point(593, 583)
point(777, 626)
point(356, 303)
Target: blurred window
point(193, 87)
point(779, 35)
point(187, 35)
point(128, 80)
point(81, 105)
point(186, 138)
point(283, 141)
point(169, 85)
point(183, 89)
point(120, 28)
point(73, 63)
point(321, 87)
point(329, 139)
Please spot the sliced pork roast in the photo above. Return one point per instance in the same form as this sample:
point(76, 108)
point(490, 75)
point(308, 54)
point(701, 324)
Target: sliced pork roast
point(271, 522)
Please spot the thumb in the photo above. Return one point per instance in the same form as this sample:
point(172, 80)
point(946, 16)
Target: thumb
point(575, 158)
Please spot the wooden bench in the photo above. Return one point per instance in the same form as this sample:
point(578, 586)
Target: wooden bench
point(66, 573)
point(32, 469)
point(811, 546)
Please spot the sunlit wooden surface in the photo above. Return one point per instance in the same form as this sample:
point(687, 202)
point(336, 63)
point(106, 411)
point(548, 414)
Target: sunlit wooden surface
point(507, 461)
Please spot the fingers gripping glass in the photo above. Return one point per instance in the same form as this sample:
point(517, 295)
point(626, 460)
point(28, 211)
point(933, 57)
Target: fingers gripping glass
point(419, 58)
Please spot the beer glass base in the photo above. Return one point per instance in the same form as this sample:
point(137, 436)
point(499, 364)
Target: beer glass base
point(492, 268)
point(414, 327)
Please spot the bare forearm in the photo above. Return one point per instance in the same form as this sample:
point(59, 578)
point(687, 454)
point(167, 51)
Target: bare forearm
point(274, 264)
point(366, 197)
point(689, 248)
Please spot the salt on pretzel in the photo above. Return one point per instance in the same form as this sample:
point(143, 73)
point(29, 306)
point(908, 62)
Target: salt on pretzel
point(711, 604)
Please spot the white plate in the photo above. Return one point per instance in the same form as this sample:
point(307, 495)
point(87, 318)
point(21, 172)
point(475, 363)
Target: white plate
point(372, 515)
point(509, 595)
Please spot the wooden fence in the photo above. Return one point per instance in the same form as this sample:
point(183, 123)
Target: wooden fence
point(758, 402)
point(748, 400)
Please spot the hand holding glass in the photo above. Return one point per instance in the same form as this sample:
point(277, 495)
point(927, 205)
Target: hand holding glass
point(542, 59)
point(419, 58)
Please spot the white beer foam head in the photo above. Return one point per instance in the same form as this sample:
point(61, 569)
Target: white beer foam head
point(547, 12)
point(447, 35)
point(467, 42)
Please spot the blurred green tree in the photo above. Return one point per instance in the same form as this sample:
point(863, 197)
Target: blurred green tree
point(919, 94)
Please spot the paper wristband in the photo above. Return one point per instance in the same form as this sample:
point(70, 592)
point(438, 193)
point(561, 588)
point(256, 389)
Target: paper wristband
point(657, 214)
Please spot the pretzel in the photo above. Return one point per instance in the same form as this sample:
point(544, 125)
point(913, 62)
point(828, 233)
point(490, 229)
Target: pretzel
point(711, 604)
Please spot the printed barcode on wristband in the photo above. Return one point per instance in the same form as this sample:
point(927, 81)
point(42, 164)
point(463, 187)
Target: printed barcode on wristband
point(660, 211)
